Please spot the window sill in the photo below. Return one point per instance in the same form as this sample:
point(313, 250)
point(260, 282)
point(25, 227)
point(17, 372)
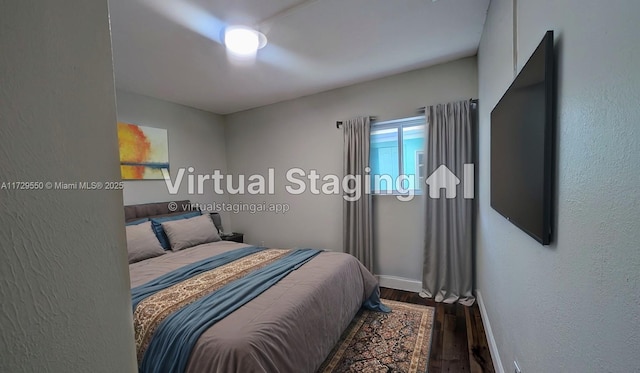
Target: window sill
point(417, 192)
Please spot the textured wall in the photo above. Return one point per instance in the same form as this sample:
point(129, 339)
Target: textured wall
point(196, 139)
point(64, 282)
point(573, 306)
point(302, 133)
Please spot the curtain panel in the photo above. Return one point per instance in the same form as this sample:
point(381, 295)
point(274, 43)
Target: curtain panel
point(357, 212)
point(448, 247)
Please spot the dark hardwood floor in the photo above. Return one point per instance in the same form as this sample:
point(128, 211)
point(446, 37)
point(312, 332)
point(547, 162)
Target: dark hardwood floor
point(458, 343)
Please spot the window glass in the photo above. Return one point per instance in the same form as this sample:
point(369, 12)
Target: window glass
point(397, 148)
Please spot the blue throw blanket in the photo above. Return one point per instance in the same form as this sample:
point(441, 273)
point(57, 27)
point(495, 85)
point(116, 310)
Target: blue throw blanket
point(138, 294)
point(170, 348)
point(373, 303)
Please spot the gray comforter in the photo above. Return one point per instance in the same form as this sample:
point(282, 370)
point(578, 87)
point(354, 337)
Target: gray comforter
point(291, 327)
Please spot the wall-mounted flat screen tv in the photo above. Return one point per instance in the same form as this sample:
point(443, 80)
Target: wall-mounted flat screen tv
point(522, 146)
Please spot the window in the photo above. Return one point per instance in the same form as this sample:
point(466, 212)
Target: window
point(397, 149)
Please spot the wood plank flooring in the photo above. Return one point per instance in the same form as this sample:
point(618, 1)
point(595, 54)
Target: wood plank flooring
point(458, 343)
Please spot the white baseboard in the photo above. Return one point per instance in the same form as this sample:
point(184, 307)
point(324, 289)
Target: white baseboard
point(400, 283)
point(493, 348)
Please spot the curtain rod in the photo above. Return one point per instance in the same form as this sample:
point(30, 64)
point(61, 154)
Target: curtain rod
point(421, 110)
point(339, 123)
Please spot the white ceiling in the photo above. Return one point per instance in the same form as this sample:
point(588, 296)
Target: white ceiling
point(170, 49)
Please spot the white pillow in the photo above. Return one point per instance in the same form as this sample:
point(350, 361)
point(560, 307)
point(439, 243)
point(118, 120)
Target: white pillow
point(190, 232)
point(142, 243)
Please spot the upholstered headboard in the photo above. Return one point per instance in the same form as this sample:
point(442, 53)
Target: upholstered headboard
point(158, 209)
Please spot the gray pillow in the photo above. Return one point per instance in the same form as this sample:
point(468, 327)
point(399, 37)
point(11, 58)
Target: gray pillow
point(190, 232)
point(142, 243)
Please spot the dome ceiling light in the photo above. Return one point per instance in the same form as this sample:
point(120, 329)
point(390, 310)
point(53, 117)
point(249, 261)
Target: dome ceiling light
point(243, 41)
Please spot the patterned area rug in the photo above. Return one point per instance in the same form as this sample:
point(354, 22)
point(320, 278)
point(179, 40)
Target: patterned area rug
point(396, 342)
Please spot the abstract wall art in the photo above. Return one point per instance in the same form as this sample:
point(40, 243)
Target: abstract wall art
point(144, 152)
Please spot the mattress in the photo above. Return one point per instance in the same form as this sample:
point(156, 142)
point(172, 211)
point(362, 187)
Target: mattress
point(291, 327)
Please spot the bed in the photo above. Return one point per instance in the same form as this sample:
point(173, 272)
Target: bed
point(290, 327)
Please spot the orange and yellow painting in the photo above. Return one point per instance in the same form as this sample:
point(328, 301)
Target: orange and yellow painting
point(144, 152)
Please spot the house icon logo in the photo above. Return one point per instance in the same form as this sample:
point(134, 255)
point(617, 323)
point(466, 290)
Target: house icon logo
point(444, 178)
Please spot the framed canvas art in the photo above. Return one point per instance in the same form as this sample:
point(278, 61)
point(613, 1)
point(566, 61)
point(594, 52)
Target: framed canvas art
point(144, 152)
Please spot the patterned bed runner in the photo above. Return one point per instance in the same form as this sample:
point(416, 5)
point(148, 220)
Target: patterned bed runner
point(168, 322)
point(154, 309)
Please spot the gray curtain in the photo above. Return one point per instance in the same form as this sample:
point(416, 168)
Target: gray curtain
point(448, 253)
point(357, 214)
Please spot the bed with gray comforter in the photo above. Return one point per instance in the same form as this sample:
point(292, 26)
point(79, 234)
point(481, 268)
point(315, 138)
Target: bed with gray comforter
point(290, 327)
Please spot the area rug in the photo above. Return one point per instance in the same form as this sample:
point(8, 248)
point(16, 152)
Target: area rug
point(384, 342)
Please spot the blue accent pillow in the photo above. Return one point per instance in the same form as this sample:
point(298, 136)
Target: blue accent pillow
point(156, 225)
point(136, 222)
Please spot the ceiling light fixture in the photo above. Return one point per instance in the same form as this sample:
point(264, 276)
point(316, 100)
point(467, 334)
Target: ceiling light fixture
point(243, 41)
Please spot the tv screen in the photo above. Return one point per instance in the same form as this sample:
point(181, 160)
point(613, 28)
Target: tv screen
point(522, 146)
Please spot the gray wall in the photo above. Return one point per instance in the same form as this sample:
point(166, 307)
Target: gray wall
point(302, 133)
point(196, 139)
point(573, 306)
point(64, 280)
